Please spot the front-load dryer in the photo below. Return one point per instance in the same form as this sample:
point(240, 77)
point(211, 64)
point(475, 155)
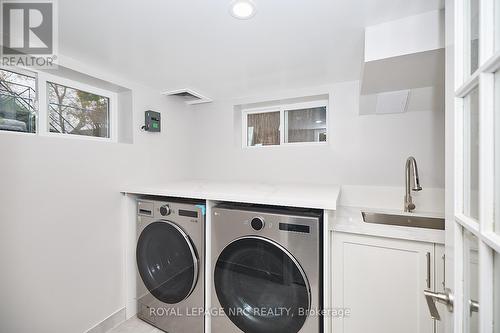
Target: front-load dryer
point(170, 264)
point(267, 266)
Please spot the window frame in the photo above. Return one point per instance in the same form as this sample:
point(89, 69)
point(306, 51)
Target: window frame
point(33, 74)
point(248, 112)
point(113, 107)
point(42, 120)
point(282, 108)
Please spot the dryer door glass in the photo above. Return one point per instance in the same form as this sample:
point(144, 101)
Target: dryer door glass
point(167, 262)
point(261, 287)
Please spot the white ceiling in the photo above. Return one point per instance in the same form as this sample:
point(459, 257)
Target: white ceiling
point(169, 44)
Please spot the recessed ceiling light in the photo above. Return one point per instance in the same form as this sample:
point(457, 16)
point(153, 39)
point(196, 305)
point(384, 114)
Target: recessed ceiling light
point(319, 121)
point(242, 9)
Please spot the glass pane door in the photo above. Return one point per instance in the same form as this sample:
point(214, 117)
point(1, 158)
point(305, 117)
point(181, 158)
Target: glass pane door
point(471, 281)
point(471, 154)
point(497, 148)
point(477, 172)
point(496, 293)
point(473, 37)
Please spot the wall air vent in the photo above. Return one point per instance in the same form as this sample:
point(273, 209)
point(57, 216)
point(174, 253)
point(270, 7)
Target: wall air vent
point(189, 96)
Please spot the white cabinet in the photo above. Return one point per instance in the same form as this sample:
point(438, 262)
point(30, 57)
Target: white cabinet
point(380, 281)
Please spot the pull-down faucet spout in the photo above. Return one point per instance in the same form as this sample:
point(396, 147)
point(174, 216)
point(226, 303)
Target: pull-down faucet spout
point(411, 170)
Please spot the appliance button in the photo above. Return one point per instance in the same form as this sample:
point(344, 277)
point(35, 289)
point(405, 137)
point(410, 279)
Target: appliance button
point(257, 223)
point(165, 210)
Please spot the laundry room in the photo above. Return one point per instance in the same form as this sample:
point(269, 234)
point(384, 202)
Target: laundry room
point(250, 166)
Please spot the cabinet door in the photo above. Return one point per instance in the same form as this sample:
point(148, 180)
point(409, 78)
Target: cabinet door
point(381, 282)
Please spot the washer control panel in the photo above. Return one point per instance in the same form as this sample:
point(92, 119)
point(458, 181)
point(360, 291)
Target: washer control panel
point(177, 211)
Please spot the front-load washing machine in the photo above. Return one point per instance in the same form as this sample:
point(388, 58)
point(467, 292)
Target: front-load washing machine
point(267, 266)
point(170, 261)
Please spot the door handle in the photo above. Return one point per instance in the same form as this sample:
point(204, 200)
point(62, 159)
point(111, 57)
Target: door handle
point(445, 298)
point(473, 306)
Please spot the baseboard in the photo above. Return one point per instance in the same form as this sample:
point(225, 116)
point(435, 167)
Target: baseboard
point(110, 322)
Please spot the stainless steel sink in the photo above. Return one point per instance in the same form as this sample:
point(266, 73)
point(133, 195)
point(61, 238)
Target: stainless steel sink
point(404, 220)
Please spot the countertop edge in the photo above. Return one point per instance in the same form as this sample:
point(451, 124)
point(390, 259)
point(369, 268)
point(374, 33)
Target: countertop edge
point(264, 199)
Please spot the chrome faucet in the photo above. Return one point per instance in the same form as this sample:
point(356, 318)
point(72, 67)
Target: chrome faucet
point(411, 164)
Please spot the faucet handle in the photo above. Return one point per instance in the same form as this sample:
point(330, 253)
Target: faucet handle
point(410, 206)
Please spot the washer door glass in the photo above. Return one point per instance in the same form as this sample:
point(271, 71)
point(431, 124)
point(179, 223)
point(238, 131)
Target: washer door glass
point(167, 262)
point(261, 287)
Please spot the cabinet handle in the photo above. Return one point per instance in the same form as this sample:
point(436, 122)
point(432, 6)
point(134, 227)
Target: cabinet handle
point(444, 272)
point(428, 255)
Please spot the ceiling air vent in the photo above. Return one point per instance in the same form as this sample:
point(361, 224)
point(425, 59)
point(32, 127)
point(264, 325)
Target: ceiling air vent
point(189, 96)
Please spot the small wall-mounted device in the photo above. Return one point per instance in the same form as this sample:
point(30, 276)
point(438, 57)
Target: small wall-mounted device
point(152, 121)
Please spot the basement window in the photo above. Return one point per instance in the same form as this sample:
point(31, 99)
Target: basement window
point(36, 102)
point(18, 101)
point(77, 112)
point(263, 128)
point(305, 124)
point(291, 124)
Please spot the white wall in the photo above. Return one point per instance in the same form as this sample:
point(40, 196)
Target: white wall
point(407, 35)
point(61, 233)
point(365, 150)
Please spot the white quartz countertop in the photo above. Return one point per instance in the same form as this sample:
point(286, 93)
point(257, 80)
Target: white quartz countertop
point(343, 218)
point(292, 195)
point(350, 220)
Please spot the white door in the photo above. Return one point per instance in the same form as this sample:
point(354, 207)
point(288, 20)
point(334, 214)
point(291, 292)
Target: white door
point(473, 166)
